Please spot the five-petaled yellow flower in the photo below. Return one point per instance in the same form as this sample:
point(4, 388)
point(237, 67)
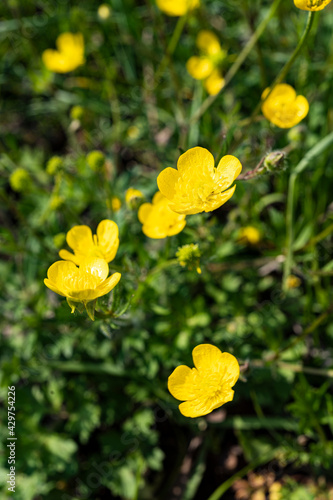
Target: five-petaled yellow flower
point(250, 235)
point(69, 56)
point(205, 67)
point(283, 107)
point(177, 7)
point(103, 245)
point(197, 186)
point(207, 386)
point(81, 284)
point(313, 5)
point(158, 220)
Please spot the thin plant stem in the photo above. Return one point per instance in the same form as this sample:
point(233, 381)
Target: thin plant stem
point(219, 492)
point(171, 48)
point(302, 165)
point(239, 61)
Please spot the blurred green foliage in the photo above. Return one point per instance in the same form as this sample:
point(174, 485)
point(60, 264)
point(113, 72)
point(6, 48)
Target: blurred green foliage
point(94, 417)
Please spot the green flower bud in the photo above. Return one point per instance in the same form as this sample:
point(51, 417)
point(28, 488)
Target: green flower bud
point(189, 256)
point(274, 161)
point(76, 112)
point(96, 160)
point(20, 180)
point(54, 165)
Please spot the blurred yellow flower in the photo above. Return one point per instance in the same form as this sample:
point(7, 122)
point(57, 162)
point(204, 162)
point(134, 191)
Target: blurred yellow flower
point(103, 11)
point(177, 7)
point(205, 67)
point(197, 186)
point(103, 245)
point(115, 204)
point(132, 195)
point(207, 386)
point(214, 83)
point(283, 107)
point(158, 220)
point(293, 281)
point(20, 180)
point(311, 4)
point(69, 56)
point(81, 284)
point(249, 234)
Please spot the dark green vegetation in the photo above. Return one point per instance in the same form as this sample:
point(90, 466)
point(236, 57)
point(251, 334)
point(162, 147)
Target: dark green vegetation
point(94, 417)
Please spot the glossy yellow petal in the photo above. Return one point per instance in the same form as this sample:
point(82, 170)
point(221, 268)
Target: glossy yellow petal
point(216, 201)
point(204, 405)
point(311, 5)
point(181, 383)
point(53, 287)
point(177, 7)
point(206, 356)
point(144, 211)
point(196, 160)
point(108, 240)
point(58, 271)
point(282, 90)
point(108, 285)
point(228, 170)
point(166, 181)
point(95, 267)
point(208, 42)
point(176, 228)
point(66, 255)
point(214, 83)
point(69, 42)
point(80, 239)
point(158, 196)
point(199, 67)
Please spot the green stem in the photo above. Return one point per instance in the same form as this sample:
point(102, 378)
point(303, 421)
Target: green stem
point(239, 61)
point(171, 48)
point(302, 165)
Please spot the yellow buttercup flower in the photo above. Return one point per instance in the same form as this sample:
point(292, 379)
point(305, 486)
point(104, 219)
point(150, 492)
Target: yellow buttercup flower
point(115, 204)
point(249, 234)
point(197, 186)
point(69, 54)
point(313, 5)
point(293, 281)
point(104, 11)
point(132, 195)
point(205, 67)
point(158, 220)
point(81, 284)
point(207, 386)
point(177, 7)
point(103, 245)
point(283, 107)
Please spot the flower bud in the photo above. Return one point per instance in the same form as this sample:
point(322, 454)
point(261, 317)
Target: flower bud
point(274, 161)
point(54, 165)
point(96, 160)
point(20, 180)
point(189, 256)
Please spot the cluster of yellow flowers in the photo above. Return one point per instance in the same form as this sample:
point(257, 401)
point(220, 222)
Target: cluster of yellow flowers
point(196, 186)
point(82, 276)
point(206, 67)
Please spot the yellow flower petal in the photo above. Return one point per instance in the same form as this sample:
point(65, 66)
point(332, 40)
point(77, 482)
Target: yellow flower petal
point(144, 211)
point(177, 7)
point(214, 83)
point(196, 159)
point(202, 406)
point(66, 255)
point(208, 42)
point(80, 239)
point(181, 383)
point(166, 181)
point(95, 267)
point(69, 56)
point(108, 241)
point(109, 284)
point(312, 5)
point(199, 67)
point(158, 220)
point(216, 201)
point(228, 170)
